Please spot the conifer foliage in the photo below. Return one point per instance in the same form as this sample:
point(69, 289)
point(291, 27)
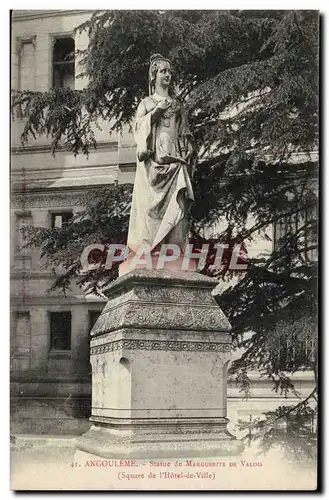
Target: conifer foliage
point(249, 81)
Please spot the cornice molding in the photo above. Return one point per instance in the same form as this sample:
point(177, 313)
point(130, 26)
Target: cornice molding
point(46, 148)
point(25, 15)
point(20, 303)
point(47, 198)
point(31, 275)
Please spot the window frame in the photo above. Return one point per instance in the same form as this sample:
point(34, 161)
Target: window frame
point(54, 351)
point(54, 37)
point(20, 42)
point(293, 220)
point(55, 213)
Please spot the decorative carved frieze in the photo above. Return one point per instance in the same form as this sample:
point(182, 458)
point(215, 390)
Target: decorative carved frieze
point(163, 316)
point(161, 345)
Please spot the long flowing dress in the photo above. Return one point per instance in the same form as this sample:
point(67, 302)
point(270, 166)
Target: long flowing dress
point(162, 192)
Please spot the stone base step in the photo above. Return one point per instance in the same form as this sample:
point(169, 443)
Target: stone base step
point(20, 441)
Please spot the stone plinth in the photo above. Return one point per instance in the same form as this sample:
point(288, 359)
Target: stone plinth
point(159, 355)
point(153, 262)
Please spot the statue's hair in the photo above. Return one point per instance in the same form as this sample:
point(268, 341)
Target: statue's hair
point(154, 61)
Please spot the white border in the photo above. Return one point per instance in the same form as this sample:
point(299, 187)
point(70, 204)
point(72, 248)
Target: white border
point(4, 182)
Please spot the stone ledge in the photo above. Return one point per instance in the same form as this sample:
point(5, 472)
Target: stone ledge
point(175, 278)
point(33, 441)
point(196, 441)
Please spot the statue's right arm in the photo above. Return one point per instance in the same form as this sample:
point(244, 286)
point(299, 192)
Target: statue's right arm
point(155, 112)
point(142, 131)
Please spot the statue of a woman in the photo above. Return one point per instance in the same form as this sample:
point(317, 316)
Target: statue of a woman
point(162, 191)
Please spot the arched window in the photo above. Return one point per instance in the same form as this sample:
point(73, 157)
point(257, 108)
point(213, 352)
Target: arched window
point(64, 62)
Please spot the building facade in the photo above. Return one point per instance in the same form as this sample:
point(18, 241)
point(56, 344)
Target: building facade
point(50, 371)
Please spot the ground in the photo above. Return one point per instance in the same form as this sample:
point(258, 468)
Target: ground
point(48, 463)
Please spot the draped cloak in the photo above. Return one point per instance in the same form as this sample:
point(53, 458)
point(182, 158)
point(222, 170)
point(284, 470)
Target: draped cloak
point(162, 192)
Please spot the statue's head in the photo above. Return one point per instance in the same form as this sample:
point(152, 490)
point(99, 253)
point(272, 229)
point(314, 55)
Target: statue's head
point(160, 72)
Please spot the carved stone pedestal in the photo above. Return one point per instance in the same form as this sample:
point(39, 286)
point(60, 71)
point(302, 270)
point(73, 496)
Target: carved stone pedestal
point(159, 355)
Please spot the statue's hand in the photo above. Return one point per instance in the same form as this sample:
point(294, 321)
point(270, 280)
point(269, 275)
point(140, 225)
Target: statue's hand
point(189, 152)
point(159, 109)
point(163, 105)
point(144, 155)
